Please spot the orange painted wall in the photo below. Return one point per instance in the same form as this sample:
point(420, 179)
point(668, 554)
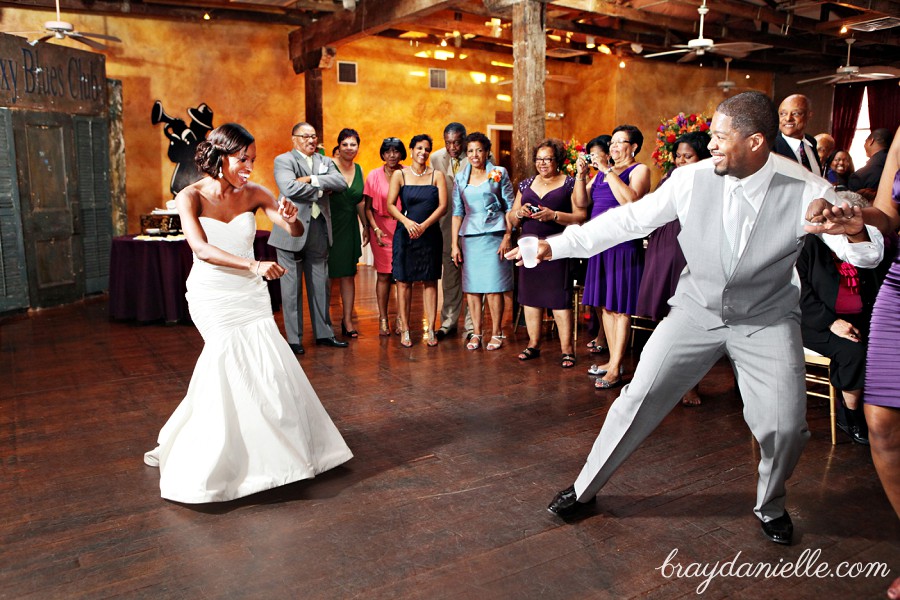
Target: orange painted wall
point(244, 73)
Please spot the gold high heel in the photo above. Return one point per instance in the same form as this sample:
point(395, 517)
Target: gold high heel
point(430, 339)
point(405, 341)
point(384, 328)
point(398, 329)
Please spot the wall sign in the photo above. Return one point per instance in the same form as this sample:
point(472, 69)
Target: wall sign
point(51, 78)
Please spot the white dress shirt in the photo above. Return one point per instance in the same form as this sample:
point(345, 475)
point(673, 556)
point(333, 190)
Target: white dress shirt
point(811, 155)
point(673, 200)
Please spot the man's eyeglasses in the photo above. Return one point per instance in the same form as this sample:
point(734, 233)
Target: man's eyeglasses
point(306, 136)
point(542, 159)
point(391, 140)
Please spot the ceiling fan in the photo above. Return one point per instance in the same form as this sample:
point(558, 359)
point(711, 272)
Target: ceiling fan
point(702, 45)
point(60, 29)
point(848, 72)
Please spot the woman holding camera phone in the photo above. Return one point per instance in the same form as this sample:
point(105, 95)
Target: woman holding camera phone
point(545, 204)
point(614, 276)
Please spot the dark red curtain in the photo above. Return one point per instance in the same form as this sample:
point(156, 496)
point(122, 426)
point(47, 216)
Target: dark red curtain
point(884, 104)
point(847, 102)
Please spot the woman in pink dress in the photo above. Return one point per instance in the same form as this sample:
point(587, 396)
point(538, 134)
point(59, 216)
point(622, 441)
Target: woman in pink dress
point(382, 224)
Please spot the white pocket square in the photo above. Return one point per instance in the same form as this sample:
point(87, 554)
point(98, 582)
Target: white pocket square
point(323, 168)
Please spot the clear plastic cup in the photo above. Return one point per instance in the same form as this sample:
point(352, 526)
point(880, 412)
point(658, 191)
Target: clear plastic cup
point(528, 248)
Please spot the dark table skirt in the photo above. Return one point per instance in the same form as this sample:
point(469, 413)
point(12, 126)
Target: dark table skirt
point(147, 279)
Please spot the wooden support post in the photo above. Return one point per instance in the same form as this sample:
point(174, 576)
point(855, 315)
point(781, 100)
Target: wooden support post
point(529, 58)
point(313, 85)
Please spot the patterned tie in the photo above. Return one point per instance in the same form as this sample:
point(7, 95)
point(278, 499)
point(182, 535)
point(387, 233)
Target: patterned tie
point(734, 220)
point(315, 211)
point(803, 158)
point(454, 165)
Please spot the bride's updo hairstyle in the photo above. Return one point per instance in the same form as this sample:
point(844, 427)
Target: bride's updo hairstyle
point(222, 141)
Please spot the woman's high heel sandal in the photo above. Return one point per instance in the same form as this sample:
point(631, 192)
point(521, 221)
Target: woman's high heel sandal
point(398, 329)
point(496, 342)
point(405, 341)
point(430, 339)
point(384, 328)
point(474, 341)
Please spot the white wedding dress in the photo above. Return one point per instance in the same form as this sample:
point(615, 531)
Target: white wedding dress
point(250, 420)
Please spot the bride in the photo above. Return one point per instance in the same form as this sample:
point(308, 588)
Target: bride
point(250, 420)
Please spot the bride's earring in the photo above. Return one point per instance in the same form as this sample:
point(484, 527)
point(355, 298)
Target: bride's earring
point(220, 173)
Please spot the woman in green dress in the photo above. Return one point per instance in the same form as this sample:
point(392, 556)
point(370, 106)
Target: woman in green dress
point(347, 213)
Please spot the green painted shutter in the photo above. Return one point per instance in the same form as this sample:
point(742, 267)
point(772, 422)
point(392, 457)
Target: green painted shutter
point(92, 156)
point(13, 276)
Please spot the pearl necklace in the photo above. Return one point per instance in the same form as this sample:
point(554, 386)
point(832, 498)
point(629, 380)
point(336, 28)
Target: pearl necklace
point(422, 174)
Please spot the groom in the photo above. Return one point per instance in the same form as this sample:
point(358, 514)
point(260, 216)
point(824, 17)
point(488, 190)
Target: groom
point(743, 214)
point(307, 179)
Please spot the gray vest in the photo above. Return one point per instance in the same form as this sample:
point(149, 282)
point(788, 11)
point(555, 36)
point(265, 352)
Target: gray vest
point(759, 291)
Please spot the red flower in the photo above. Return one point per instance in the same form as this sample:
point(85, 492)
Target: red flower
point(692, 118)
point(671, 137)
point(703, 126)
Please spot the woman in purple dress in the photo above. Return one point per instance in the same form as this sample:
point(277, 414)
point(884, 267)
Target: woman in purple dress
point(882, 389)
point(664, 260)
point(544, 205)
point(614, 276)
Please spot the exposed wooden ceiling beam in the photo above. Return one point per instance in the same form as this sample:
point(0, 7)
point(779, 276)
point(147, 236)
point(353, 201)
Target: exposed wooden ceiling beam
point(369, 18)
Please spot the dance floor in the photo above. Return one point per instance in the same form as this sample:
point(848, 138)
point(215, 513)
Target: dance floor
point(457, 454)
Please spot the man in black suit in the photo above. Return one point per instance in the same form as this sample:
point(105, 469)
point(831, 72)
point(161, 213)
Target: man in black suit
point(792, 140)
point(876, 146)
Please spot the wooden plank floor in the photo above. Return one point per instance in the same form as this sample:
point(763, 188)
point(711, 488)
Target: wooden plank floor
point(457, 454)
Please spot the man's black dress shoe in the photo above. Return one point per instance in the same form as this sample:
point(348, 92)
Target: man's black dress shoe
point(331, 342)
point(855, 433)
point(443, 332)
point(565, 503)
point(297, 348)
point(780, 530)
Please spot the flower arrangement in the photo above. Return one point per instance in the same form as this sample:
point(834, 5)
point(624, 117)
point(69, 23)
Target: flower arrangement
point(669, 131)
point(495, 175)
point(573, 151)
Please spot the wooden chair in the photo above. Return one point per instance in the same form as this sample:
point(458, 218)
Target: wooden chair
point(641, 324)
point(818, 370)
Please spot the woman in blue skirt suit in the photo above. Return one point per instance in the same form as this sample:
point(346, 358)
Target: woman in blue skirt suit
point(482, 196)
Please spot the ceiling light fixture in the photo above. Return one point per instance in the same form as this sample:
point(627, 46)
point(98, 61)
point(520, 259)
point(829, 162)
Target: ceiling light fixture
point(206, 17)
point(604, 49)
point(621, 64)
point(590, 43)
point(844, 29)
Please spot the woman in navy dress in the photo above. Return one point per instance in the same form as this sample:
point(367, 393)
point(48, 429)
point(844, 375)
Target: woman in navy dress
point(418, 243)
point(482, 196)
point(544, 206)
point(614, 276)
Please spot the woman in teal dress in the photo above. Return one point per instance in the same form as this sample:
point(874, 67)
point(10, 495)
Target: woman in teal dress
point(347, 213)
point(482, 196)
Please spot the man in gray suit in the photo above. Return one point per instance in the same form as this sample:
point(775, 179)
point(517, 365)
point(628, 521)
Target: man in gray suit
point(451, 159)
point(743, 218)
point(307, 179)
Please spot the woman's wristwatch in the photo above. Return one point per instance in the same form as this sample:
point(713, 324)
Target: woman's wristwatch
point(608, 171)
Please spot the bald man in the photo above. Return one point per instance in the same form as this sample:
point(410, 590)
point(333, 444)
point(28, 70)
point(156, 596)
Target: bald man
point(825, 148)
point(792, 140)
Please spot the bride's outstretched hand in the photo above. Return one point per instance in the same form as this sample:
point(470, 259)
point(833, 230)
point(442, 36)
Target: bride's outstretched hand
point(287, 210)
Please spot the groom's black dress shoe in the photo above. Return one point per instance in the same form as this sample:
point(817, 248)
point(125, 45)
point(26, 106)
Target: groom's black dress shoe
point(565, 503)
point(780, 530)
point(297, 348)
point(331, 342)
